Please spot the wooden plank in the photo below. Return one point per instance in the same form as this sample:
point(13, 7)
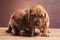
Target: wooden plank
point(54, 35)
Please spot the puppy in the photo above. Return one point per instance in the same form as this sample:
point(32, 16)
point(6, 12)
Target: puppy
point(38, 18)
point(17, 22)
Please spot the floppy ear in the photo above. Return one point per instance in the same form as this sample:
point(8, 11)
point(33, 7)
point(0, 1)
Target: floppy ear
point(27, 15)
point(30, 11)
point(13, 17)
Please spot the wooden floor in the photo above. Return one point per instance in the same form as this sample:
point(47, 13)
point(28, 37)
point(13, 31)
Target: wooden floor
point(54, 35)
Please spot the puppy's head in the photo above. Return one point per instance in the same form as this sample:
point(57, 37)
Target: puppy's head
point(37, 13)
point(18, 17)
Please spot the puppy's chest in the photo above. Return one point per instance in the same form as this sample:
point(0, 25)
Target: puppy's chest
point(23, 24)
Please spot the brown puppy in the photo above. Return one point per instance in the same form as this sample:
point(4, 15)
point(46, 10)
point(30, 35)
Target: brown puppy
point(38, 18)
point(17, 22)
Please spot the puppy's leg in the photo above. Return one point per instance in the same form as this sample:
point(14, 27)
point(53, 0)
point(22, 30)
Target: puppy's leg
point(16, 31)
point(31, 32)
point(9, 29)
point(45, 31)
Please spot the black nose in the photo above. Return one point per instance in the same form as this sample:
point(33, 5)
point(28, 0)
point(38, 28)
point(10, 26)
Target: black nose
point(37, 23)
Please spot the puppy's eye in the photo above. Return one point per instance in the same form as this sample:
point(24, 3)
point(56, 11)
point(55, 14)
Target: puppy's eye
point(41, 16)
point(33, 15)
point(18, 20)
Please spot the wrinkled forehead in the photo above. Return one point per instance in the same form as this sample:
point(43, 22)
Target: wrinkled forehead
point(36, 12)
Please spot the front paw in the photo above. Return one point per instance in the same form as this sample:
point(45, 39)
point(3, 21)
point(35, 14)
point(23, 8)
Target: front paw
point(8, 31)
point(30, 34)
point(14, 34)
point(45, 35)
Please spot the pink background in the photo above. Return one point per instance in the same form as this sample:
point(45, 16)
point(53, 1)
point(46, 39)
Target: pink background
point(9, 6)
